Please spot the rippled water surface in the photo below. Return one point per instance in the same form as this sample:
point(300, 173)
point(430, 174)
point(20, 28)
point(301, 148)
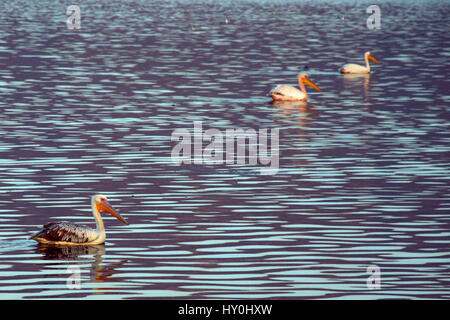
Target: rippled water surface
point(363, 177)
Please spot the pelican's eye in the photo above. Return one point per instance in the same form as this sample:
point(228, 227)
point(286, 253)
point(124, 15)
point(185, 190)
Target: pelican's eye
point(100, 199)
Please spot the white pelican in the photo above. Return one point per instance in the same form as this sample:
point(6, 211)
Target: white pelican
point(356, 68)
point(288, 93)
point(67, 233)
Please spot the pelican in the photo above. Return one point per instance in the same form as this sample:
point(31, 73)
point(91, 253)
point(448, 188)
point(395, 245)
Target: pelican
point(66, 233)
point(288, 93)
point(356, 68)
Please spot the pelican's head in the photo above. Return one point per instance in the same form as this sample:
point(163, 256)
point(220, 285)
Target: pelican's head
point(102, 204)
point(369, 56)
point(303, 77)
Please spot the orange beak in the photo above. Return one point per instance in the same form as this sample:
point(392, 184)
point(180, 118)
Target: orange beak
point(106, 207)
point(373, 59)
point(311, 84)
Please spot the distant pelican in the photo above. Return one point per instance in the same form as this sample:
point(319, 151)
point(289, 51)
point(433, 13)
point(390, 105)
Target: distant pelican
point(288, 93)
point(67, 233)
point(356, 68)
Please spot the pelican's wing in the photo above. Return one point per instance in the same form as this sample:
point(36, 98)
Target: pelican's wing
point(66, 232)
point(353, 68)
point(287, 92)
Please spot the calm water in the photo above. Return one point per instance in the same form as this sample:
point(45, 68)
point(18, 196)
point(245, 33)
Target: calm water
point(364, 166)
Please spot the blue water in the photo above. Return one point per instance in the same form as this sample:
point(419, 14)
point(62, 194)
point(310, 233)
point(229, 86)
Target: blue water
point(363, 178)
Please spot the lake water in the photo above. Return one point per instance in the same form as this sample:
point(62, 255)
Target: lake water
point(363, 179)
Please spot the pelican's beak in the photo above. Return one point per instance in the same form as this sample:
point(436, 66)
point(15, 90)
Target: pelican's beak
point(373, 59)
point(311, 84)
point(106, 207)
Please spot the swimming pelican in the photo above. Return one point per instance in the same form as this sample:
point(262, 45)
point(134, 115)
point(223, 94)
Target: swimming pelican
point(71, 234)
point(288, 93)
point(356, 68)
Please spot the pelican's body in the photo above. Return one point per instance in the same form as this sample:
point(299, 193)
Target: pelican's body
point(67, 233)
point(288, 93)
point(356, 68)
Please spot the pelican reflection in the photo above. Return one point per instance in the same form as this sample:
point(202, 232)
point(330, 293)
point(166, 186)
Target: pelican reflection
point(81, 254)
point(356, 81)
point(68, 252)
point(295, 110)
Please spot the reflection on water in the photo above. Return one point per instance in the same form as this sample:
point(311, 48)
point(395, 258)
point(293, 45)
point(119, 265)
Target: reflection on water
point(64, 252)
point(363, 176)
point(292, 106)
point(299, 111)
point(360, 86)
point(355, 81)
point(80, 257)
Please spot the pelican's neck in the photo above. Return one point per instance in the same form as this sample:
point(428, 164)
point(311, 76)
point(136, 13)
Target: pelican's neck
point(367, 62)
point(98, 217)
point(302, 87)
